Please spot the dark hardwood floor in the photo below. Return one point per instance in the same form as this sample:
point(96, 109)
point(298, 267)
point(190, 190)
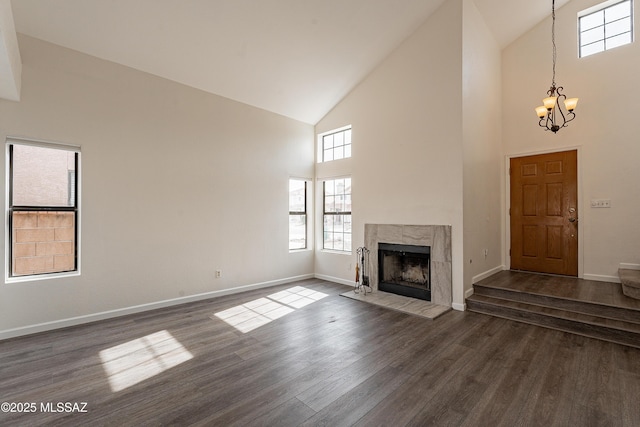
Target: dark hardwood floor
point(321, 361)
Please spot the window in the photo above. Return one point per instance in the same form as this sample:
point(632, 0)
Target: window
point(43, 208)
point(335, 145)
point(337, 214)
point(297, 214)
point(608, 27)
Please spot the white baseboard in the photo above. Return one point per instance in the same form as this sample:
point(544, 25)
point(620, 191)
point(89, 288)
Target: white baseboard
point(613, 279)
point(488, 273)
point(468, 293)
point(601, 278)
point(459, 307)
point(334, 279)
point(79, 320)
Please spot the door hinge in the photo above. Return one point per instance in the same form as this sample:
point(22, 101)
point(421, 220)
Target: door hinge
point(509, 251)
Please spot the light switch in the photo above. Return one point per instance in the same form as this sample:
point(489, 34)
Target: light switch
point(600, 203)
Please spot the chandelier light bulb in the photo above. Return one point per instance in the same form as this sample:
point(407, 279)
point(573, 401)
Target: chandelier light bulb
point(541, 111)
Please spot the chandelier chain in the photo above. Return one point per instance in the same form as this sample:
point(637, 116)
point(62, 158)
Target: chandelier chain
point(553, 40)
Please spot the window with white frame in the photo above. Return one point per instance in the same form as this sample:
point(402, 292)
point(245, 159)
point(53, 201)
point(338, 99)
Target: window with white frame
point(42, 208)
point(335, 145)
point(609, 25)
point(297, 214)
point(337, 214)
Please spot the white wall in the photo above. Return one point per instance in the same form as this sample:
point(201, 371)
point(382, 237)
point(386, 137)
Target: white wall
point(605, 131)
point(176, 183)
point(407, 141)
point(483, 201)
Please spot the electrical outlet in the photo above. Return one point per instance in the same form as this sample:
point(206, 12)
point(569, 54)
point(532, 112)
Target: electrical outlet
point(218, 274)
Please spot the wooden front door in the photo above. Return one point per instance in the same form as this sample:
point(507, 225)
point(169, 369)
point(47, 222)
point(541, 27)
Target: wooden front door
point(544, 213)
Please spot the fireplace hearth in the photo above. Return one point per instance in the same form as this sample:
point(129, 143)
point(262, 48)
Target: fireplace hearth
point(405, 270)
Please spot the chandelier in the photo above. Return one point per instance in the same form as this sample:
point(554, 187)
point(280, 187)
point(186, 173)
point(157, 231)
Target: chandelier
point(557, 110)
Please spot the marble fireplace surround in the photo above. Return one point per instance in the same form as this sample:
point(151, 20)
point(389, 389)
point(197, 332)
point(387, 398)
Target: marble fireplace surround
point(438, 237)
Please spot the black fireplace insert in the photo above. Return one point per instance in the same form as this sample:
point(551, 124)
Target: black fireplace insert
point(405, 270)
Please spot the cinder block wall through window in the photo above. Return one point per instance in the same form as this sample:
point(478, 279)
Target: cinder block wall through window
point(43, 242)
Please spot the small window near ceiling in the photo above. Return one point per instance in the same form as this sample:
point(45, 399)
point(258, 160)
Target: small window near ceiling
point(335, 145)
point(606, 26)
point(297, 214)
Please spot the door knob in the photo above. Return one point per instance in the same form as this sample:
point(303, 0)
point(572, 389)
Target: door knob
point(573, 219)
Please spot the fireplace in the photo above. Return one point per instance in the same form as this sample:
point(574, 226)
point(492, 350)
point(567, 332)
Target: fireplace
point(405, 270)
point(437, 237)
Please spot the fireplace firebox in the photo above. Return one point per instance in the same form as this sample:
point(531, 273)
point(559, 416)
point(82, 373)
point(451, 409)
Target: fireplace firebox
point(405, 270)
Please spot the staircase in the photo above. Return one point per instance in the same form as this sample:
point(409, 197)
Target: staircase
point(630, 280)
point(596, 310)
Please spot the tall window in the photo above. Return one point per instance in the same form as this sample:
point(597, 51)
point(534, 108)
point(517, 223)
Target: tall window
point(608, 27)
point(337, 214)
point(297, 214)
point(43, 208)
point(335, 145)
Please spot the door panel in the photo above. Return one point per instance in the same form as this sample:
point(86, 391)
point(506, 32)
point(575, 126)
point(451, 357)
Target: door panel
point(544, 228)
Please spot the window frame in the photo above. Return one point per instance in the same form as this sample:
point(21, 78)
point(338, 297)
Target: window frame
point(602, 7)
point(11, 209)
point(325, 213)
point(321, 144)
point(300, 213)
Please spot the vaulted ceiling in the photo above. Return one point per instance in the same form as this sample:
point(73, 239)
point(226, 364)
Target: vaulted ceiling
point(297, 58)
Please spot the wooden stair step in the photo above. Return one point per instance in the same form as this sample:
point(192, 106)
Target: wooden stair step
point(560, 313)
point(593, 326)
point(630, 315)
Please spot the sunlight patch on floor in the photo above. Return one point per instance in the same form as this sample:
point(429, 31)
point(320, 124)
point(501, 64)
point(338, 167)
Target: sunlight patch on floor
point(253, 314)
point(135, 361)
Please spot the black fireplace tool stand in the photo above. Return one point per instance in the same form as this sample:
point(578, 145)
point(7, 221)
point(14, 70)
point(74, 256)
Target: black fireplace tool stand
point(362, 271)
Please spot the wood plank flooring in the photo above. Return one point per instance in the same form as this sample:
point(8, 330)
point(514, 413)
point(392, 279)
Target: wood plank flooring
point(333, 361)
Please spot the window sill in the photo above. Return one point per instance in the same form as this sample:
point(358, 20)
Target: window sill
point(37, 277)
point(296, 251)
point(333, 251)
